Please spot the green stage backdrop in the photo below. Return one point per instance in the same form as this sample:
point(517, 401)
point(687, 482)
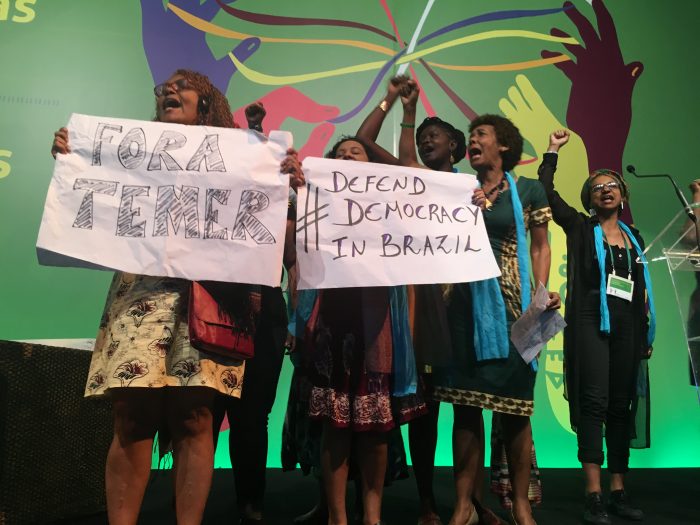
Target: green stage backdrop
point(619, 75)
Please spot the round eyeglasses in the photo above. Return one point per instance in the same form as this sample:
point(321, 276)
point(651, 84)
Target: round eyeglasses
point(612, 185)
point(177, 85)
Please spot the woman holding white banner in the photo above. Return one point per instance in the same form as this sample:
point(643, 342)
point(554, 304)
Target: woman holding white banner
point(157, 382)
point(358, 343)
point(488, 372)
point(609, 333)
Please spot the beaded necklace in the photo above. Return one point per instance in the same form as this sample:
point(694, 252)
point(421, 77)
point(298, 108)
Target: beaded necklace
point(499, 188)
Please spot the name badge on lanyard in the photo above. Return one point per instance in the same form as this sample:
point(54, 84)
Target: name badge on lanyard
point(618, 286)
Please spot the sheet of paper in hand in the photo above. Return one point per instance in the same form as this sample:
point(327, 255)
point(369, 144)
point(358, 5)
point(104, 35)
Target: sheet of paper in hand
point(365, 224)
point(536, 326)
point(150, 198)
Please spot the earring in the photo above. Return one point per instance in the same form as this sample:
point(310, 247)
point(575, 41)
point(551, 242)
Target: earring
point(622, 205)
point(591, 212)
point(452, 159)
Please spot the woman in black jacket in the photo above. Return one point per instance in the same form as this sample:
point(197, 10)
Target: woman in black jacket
point(607, 333)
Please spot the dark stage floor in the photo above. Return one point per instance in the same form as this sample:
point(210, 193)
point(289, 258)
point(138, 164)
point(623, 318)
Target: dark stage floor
point(667, 496)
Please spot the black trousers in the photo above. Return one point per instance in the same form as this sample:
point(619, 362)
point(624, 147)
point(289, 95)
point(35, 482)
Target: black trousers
point(608, 372)
point(248, 416)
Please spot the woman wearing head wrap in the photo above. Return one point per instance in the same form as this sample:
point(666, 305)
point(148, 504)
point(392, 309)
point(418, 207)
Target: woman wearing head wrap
point(608, 331)
point(444, 146)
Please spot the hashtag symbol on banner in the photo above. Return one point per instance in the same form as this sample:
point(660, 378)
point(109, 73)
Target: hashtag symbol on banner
point(311, 217)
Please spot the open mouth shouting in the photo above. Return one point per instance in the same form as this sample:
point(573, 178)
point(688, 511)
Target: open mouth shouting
point(171, 102)
point(474, 154)
point(426, 149)
point(607, 198)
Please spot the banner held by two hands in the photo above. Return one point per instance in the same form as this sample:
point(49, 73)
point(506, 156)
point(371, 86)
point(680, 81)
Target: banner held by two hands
point(365, 224)
point(193, 202)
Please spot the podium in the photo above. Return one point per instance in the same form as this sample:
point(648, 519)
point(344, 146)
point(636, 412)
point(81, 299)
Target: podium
point(676, 246)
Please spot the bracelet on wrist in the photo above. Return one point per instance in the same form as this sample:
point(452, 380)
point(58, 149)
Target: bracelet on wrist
point(384, 105)
point(407, 125)
point(550, 151)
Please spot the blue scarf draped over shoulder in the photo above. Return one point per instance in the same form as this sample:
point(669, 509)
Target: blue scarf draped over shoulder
point(600, 254)
point(491, 340)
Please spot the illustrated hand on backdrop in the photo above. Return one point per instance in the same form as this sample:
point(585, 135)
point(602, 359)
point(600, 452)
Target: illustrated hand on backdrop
point(600, 102)
point(288, 102)
point(526, 109)
point(170, 43)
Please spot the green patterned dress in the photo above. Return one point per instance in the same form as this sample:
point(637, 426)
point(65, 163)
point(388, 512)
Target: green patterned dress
point(502, 385)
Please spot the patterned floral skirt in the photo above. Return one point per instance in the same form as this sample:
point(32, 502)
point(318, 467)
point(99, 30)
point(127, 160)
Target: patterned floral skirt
point(143, 341)
point(301, 435)
point(350, 346)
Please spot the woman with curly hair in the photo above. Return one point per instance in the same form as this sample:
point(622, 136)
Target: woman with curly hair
point(486, 371)
point(143, 360)
point(490, 373)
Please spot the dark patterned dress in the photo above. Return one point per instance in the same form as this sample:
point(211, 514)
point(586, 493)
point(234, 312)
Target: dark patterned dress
point(351, 351)
point(501, 385)
point(301, 435)
point(143, 341)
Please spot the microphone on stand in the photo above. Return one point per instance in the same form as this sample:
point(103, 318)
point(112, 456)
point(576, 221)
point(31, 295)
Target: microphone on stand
point(679, 193)
point(684, 203)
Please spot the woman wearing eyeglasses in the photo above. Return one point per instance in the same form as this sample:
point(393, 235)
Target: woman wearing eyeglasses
point(608, 330)
point(142, 359)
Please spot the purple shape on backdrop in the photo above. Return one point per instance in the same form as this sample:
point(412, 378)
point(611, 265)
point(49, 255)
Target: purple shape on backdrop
point(171, 44)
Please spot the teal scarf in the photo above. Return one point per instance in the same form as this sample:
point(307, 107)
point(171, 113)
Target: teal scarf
point(491, 340)
point(306, 299)
point(600, 253)
point(403, 358)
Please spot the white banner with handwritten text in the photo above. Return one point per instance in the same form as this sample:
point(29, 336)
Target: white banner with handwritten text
point(365, 224)
point(151, 198)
